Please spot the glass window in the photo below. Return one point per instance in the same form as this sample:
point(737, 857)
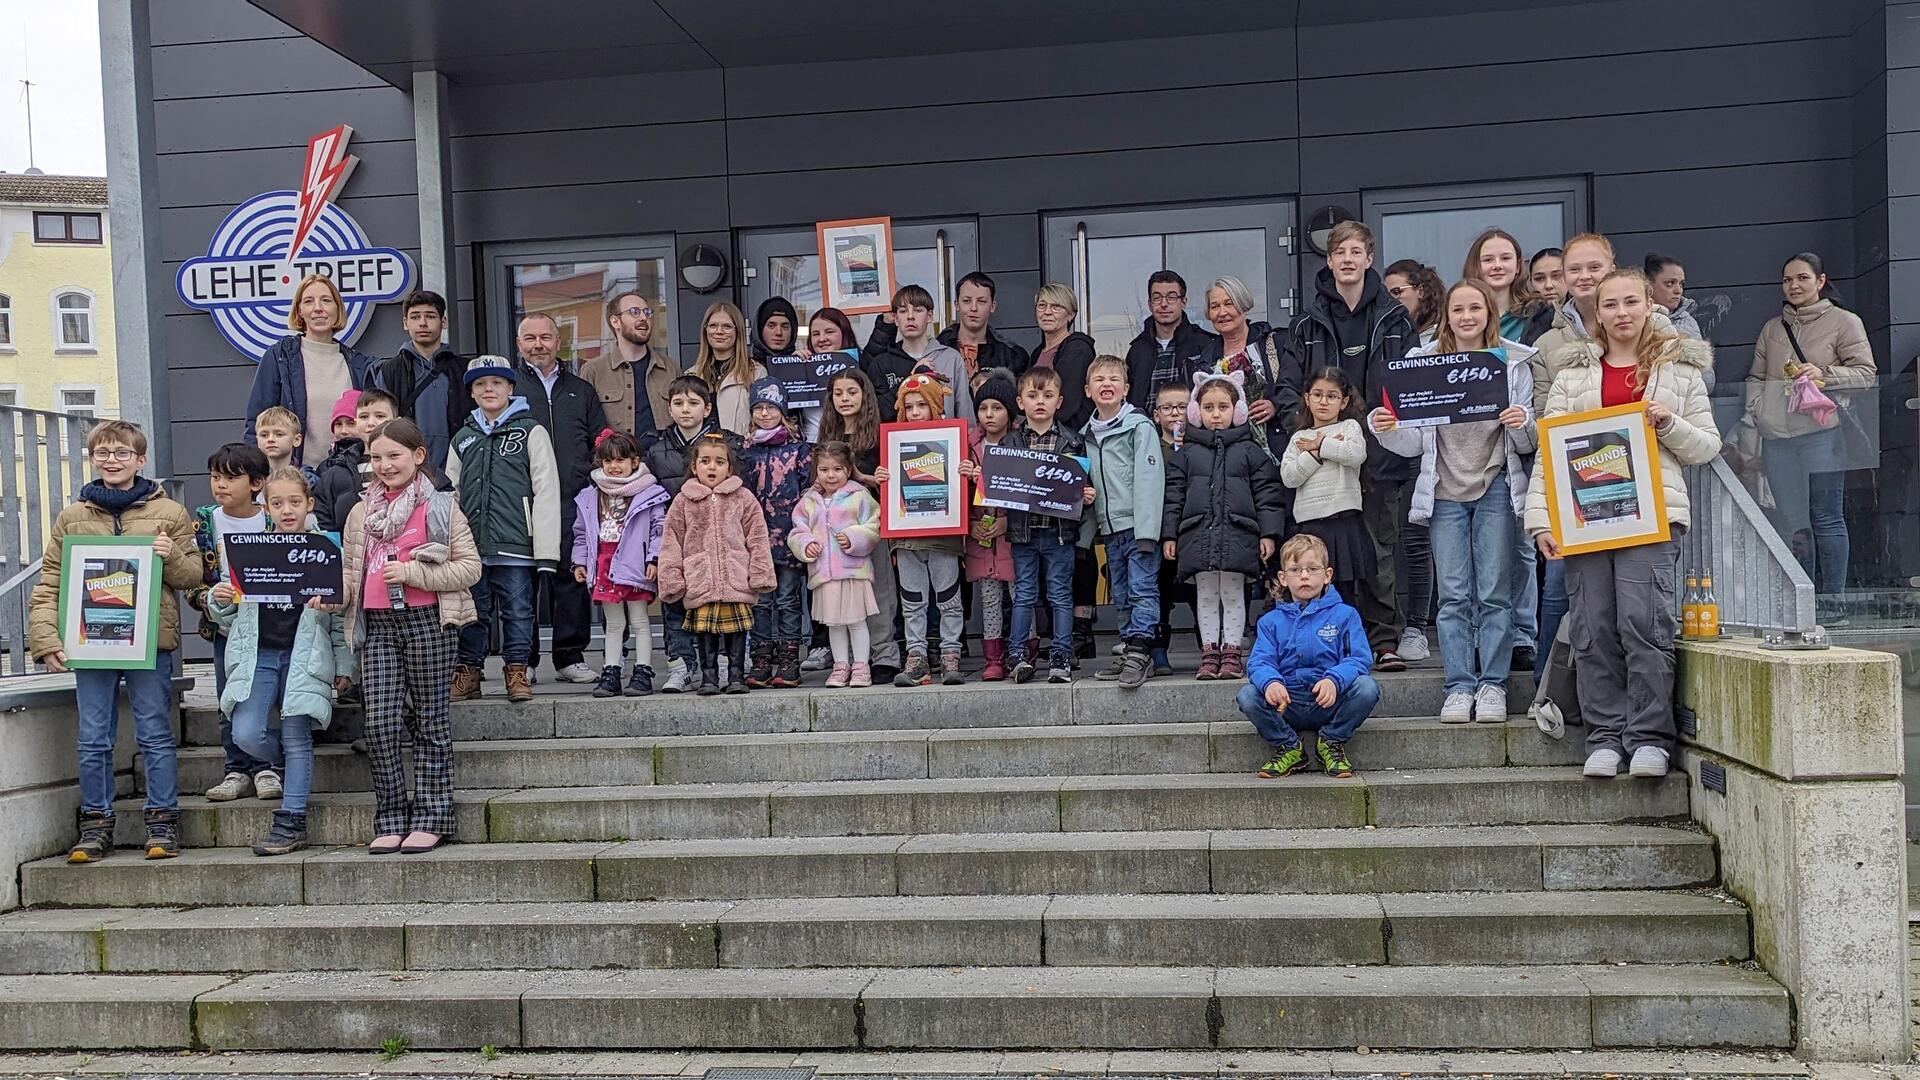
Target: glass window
point(73, 312)
point(77, 402)
point(61, 228)
point(784, 262)
point(6, 320)
point(575, 294)
point(1436, 225)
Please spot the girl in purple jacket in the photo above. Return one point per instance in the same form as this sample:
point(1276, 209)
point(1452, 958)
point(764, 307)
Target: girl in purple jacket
point(616, 552)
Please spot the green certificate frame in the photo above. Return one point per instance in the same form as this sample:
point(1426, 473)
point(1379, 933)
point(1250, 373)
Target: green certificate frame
point(109, 601)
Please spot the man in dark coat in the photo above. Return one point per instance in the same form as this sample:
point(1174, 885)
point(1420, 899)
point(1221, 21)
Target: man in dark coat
point(1351, 323)
point(1167, 342)
point(569, 408)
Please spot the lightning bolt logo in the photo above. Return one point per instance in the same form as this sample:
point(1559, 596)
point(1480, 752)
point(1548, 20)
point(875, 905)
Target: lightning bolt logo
point(328, 166)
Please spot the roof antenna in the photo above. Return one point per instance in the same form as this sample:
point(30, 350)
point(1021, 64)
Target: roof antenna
point(26, 91)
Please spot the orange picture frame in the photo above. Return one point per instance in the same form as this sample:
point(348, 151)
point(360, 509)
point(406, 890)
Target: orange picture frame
point(856, 264)
point(1603, 480)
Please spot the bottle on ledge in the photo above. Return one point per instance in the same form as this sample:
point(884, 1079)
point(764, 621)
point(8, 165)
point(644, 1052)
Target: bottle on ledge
point(1709, 610)
point(1690, 609)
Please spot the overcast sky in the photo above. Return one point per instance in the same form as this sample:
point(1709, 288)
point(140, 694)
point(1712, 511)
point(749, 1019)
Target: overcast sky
point(56, 43)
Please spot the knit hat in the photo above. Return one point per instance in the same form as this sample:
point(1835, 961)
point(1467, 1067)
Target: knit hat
point(769, 392)
point(1234, 379)
point(997, 386)
point(929, 385)
point(481, 367)
point(345, 408)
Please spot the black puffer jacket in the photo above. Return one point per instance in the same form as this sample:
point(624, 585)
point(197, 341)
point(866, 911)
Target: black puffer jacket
point(1223, 497)
point(1143, 354)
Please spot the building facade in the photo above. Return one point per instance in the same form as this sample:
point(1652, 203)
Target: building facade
point(57, 331)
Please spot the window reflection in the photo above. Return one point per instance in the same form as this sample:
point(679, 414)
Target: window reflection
point(575, 294)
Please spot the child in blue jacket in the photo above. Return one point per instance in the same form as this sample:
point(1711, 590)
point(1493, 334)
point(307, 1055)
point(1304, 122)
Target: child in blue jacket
point(1309, 666)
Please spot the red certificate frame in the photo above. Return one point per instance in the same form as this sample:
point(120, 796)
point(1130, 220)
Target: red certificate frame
point(869, 241)
point(924, 495)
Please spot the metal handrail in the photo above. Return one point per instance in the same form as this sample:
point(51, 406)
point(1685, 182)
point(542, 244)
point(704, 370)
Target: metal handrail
point(48, 467)
point(1759, 583)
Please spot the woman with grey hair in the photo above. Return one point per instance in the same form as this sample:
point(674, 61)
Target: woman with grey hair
point(1255, 349)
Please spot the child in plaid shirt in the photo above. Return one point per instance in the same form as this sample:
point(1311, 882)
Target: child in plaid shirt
point(1043, 545)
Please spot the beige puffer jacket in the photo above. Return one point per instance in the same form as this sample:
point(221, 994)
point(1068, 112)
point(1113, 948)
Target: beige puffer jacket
point(1834, 340)
point(1690, 438)
point(452, 581)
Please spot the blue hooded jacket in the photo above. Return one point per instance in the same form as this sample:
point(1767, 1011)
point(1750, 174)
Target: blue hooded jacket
point(1298, 646)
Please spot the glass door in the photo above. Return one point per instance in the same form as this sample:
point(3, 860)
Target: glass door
point(572, 281)
point(1437, 225)
point(1107, 255)
point(786, 262)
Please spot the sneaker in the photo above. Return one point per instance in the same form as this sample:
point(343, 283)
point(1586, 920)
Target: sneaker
point(266, 784)
point(838, 677)
point(288, 835)
point(1333, 759)
point(163, 834)
point(1209, 663)
point(1113, 670)
point(1134, 667)
point(1602, 764)
point(577, 672)
point(1233, 663)
point(1458, 709)
point(1060, 667)
point(916, 673)
point(1649, 762)
point(640, 683)
point(1413, 645)
point(234, 786)
point(859, 675)
point(786, 665)
point(759, 665)
point(1022, 670)
point(609, 682)
point(96, 838)
point(817, 660)
point(1490, 705)
point(678, 675)
point(1162, 665)
point(1388, 660)
point(950, 668)
point(1283, 762)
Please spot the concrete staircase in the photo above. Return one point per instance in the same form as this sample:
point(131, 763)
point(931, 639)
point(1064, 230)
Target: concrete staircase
point(972, 867)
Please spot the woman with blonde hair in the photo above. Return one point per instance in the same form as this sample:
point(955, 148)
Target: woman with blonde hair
point(307, 371)
point(1495, 258)
point(1623, 600)
point(726, 363)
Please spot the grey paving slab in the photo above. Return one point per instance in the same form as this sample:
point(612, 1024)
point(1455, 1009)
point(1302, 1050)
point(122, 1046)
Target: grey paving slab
point(1480, 1007)
point(454, 873)
point(1375, 860)
point(328, 1010)
point(1518, 795)
point(830, 755)
point(1141, 749)
point(1701, 1005)
point(1209, 801)
point(893, 931)
point(989, 1008)
point(914, 807)
point(56, 940)
point(744, 869)
point(563, 935)
point(1227, 931)
point(1037, 863)
point(100, 1012)
point(292, 938)
point(679, 812)
point(200, 876)
point(702, 1009)
point(1565, 928)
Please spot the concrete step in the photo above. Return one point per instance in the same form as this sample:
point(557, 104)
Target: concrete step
point(1147, 1008)
point(1058, 931)
point(1450, 859)
point(1497, 796)
point(1414, 693)
point(1058, 750)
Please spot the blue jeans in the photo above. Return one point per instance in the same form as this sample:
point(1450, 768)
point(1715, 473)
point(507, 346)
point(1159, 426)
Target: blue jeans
point(510, 588)
point(1336, 725)
point(1810, 498)
point(1553, 608)
point(1043, 554)
point(673, 627)
point(1133, 577)
point(1473, 558)
point(292, 741)
point(96, 692)
point(1526, 587)
point(238, 760)
point(776, 617)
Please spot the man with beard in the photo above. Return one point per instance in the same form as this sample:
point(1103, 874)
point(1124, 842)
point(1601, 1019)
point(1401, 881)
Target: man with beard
point(632, 379)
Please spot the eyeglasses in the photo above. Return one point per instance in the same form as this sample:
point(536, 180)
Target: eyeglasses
point(1307, 570)
point(109, 454)
point(1396, 290)
point(1158, 299)
point(637, 312)
point(1325, 395)
point(1169, 407)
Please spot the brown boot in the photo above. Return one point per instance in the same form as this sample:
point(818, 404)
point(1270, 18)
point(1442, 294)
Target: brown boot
point(519, 686)
point(466, 682)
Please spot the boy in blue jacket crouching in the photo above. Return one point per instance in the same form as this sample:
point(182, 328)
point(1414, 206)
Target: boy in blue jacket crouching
point(1309, 667)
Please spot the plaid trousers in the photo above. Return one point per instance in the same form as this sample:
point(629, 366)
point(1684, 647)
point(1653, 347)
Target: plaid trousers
point(408, 654)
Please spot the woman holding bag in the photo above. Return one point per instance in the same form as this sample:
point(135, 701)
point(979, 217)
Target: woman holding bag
point(1813, 345)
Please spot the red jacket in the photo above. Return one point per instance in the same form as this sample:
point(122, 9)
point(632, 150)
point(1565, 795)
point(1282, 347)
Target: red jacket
point(715, 549)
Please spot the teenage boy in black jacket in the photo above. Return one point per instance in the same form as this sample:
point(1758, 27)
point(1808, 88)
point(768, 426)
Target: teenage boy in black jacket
point(426, 377)
point(1167, 341)
point(1351, 323)
point(975, 303)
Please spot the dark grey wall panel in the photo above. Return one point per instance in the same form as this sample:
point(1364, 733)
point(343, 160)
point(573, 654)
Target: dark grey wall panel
point(186, 22)
point(211, 393)
point(1042, 73)
point(605, 155)
point(391, 221)
point(279, 66)
point(1711, 198)
point(652, 206)
point(1750, 255)
point(1009, 242)
point(587, 104)
point(247, 122)
point(227, 178)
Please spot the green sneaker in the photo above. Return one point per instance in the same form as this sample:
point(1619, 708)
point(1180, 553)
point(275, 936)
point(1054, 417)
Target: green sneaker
point(1333, 759)
point(1284, 762)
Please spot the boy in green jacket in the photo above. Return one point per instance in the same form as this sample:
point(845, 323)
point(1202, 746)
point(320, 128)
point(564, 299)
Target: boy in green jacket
point(1129, 481)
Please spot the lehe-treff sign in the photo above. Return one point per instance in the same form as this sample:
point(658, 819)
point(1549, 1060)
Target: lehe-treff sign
point(263, 249)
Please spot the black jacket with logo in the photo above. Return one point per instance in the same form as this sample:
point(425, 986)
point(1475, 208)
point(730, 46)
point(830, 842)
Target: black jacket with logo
point(1376, 331)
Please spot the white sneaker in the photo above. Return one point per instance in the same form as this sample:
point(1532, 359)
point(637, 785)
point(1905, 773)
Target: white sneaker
point(677, 678)
point(234, 786)
point(817, 660)
point(266, 784)
point(1458, 709)
point(1648, 762)
point(1490, 705)
point(1603, 764)
point(1413, 645)
point(577, 673)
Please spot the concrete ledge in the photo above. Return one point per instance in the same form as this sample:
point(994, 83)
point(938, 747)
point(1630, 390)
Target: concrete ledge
point(703, 1009)
point(1758, 706)
point(1145, 1008)
point(45, 1012)
point(325, 1010)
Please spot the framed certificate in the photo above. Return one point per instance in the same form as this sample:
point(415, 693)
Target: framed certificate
point(109, 601)
point(1602, 471)
point(924, 495)
point(856, 264)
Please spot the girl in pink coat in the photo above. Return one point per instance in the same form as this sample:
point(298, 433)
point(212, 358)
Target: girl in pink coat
point(835, 529)
point(716, 560)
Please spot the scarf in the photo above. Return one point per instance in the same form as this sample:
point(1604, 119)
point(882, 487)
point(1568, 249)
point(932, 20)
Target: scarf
point(625, 487)
point(1097, 426)
point(117, 501)
point(777, 435)
point(387, 516)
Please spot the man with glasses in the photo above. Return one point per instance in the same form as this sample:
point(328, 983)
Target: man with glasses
point(633, 377)
point(1167, 340)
